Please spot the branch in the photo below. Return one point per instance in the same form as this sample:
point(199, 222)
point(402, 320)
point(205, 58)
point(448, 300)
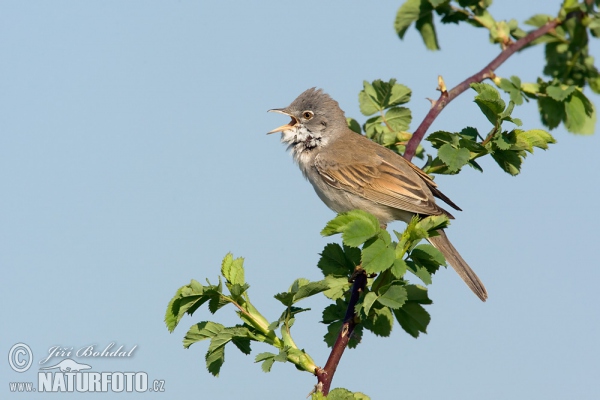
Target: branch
point(325, 375)
point(487, 72)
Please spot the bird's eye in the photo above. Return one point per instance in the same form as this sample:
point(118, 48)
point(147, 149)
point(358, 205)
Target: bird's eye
point(308, 114)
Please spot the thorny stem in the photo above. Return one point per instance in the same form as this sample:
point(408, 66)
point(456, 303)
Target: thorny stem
point(486, 73)
point(325, 374)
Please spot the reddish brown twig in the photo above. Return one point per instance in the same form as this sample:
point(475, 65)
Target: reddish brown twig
point(487, 72)
point(325, 374)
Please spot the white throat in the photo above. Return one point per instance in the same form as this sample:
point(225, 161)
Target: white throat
point(302, 142)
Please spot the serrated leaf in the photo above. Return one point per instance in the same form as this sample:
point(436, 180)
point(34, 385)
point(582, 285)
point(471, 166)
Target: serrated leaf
point(406, 15)
point(539, 20)
point(353, 125)
point(400, 94)
point(398, 118)
point(201, 331)
point(367, 100)
point(439, 138)
point(310, 289)
point(333, 261)
point(489, 101)
point(394, 297)
point(380, 322)
point(580, 114)
point(377, 256)
point(413, 318)
point(398, 268)
point(243, 344)
point(420, 272)
point(356, 227)
point(551, 111)
point(336, 287)
point(342, 394)
point(469, 133)
point(454, 158)
point(214, 360)
point(508, 160)
point(417, 294)
point(559, 93)
point(286, 298)
point(427, 256)
point(368, 301)
point(503, 141)
point(527, 140)
point(233, 269)
point(426, 28)
point(268, 360)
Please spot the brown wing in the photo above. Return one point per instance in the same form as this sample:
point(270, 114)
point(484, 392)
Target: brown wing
point(395, 183)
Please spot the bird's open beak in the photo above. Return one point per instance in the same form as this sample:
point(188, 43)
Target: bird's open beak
point(285, 127)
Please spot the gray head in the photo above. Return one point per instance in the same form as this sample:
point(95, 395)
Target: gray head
point(313, 111)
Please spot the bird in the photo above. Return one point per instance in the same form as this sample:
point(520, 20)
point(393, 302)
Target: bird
point(349, 171)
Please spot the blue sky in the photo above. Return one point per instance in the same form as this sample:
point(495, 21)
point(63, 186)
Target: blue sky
point(133, 157)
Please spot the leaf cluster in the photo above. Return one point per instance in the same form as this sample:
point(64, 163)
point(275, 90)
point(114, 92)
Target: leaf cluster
point(388, 295)
point(389, 121)
point(508, 147)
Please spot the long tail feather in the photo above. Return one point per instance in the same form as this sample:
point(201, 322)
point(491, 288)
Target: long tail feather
point(453, 258)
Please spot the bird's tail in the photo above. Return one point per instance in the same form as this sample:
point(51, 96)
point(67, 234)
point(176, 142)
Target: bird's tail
point(453, 258)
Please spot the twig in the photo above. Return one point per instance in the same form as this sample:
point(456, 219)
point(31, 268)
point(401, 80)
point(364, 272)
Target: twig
point(325, 375)
point(487, 72)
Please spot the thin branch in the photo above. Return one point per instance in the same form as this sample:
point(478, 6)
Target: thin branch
point(325, 375)
point(487, 72)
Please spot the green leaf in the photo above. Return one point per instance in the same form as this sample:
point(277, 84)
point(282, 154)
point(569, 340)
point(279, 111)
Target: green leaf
point(417, 294)
point(406, 15)
point(503, 141)
point(454, 158)
point(413, 318)
point(580, 114)
point(336, 287)
point(527, 140)
point(214, 360)
point(508, 160)
point(398, 268)
point(268, 360)
point(559, 93)
point(286, 298)
point(354, 125)
point(513, 88)
point(539, 20)
point(334, 261)
point(489, 101)
point(243, 344)
point(377, 256)
point(426, 28)
point(439, 138)
point(419, 271)
point(398, 118)
point(356, 227)
point(233, 270)
point(310, 289)
point(368, 302)
point(380, 322)
point(342, 394)
point(394, 297)
point(551, 111)
point(425, 255)
point(367, 100)
point(201, 331)
point(334, 312)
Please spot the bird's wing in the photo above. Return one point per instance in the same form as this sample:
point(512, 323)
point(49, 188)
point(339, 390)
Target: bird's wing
point(395, 183)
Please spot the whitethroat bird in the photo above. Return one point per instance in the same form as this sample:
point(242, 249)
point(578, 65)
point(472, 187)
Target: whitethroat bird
point(349, 171)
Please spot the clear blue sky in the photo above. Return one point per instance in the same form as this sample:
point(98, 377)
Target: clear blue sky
point(133, 157)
